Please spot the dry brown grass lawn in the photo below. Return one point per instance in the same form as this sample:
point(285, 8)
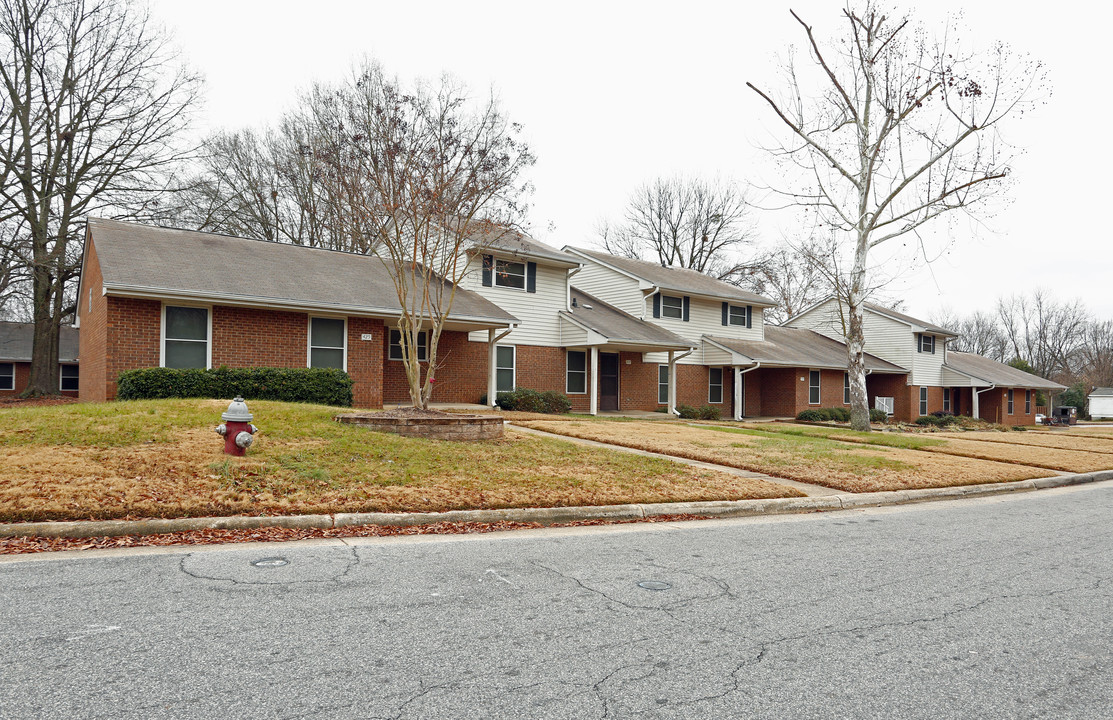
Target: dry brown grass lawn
point(1041, 438)
point(162, 459)
point(853, 467)
point(1034, 455)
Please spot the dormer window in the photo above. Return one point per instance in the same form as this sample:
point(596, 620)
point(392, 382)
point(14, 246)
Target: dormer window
point(927, 344)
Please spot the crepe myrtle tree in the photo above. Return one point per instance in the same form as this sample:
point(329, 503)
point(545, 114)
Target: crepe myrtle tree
point(888, 129)
point(425, 175)
point(93, 106)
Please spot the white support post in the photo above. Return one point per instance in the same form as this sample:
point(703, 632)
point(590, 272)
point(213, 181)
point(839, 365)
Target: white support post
point(737, 393)
point(594, 402)
point(672, 382)
point(492, 376)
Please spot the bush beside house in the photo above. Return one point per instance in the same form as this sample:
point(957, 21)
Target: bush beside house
point(322, 386)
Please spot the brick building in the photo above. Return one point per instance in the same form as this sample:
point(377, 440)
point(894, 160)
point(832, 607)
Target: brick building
point(611, 333)
point(16, 340)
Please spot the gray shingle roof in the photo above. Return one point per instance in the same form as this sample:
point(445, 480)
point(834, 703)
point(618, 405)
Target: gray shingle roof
point(797, 347)
point(189, 263)
point(677, 279)
point(520, 245)
point(995, 373)
point(16, 340)
point(930, 327)
point(618, 326)
point(1102, 392)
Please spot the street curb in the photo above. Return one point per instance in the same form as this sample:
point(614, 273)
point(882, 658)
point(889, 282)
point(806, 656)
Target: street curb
point(546, 516)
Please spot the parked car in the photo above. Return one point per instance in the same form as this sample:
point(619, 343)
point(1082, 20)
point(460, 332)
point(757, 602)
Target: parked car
point(1040, 419)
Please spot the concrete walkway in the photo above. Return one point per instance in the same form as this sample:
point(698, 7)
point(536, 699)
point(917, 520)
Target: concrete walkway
point(807, 488)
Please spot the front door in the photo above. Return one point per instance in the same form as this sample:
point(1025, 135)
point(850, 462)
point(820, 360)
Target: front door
point(608, 381)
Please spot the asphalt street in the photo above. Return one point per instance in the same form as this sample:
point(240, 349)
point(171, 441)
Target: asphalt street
point(994, 608)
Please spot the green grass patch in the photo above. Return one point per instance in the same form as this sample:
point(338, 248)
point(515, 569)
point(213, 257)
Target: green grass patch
point(880, 439)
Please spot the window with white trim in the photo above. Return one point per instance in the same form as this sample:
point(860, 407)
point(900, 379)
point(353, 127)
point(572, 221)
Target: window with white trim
point(1027, 402)
point(68, 378)
point(7, 376)
point(327, 343)
point(715, 385)
point(737, 315)
point(813, 387)
point(576, 383)
point(504, 368)
point(510, 274)
point(927, 343)
point(185, 337)
point(846, 388)
point(946, 400)
point(663, 384)
point(1010, 401)
point(395, 352)
point(672, 307)
point(923, 400)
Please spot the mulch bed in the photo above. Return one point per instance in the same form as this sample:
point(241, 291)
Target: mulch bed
point(22, 545)
point(36, 402)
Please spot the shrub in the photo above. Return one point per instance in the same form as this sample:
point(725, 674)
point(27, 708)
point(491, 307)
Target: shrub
point(837, 414)
point(936, 420)
point(323, 386)
point(811, 416)
point(526, 400)
point(710, 412)
point(942, 414)
point(687, 412)
point(878, 416)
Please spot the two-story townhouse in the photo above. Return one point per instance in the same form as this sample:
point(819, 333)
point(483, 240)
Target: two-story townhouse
point(739, 363)
point(937, 378)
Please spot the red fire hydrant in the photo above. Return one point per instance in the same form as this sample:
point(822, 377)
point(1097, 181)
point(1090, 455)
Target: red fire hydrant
point(237, 429)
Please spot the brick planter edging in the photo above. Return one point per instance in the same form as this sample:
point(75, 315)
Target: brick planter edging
point(720, 508)
point(459, 427)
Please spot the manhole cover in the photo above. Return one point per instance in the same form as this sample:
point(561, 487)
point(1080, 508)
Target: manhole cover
point(270, 562)
point(654, 585)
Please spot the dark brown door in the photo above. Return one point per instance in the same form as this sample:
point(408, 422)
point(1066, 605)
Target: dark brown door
point(608, 381)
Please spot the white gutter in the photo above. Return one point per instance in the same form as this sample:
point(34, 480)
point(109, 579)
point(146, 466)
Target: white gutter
point(568, 286)
point(977, 413)
point(738, 400)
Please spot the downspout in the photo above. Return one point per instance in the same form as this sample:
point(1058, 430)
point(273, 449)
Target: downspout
point(672, 379)
point(492, 370)
point(646, 294)
point(568, 287)
point(739, 401)
point(977, 411)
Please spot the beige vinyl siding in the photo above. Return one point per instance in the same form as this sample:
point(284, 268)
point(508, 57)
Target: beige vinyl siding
point(571, 334)
point(927, 368)
point(886, 338)
point(619, 290)
point(537, 311)
point(713, 355)
point(705, 317)
point(955, 379)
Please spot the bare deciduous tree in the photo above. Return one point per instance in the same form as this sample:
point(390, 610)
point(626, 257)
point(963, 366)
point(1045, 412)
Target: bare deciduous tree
point(691, 223)
point(1044, 332)
point(896, 131)
point(92, 105)
point(423, 175)
point(978, 333)
point(791, 274)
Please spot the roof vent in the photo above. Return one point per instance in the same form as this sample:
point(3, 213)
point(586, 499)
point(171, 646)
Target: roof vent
point(587, 307)
point(573, 302)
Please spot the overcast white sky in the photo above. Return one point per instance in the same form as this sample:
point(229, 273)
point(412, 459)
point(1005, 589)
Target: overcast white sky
point(614, 94)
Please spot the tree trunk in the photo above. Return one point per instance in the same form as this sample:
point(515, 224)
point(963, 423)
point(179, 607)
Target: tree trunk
point(856, 339)
point(44, 349)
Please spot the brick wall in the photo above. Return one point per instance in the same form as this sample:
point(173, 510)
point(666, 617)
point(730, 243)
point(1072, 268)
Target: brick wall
point(896, 387)
point(22, 372)
point(993, 406)
point(461, 374)
point(132, 339)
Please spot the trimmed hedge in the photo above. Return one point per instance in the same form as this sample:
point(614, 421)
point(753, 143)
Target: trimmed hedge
point(526, 400)
point(322, 386)
point(936, 420)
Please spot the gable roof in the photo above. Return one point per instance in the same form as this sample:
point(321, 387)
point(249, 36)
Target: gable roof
point(909, 320)
point(520, 245)
point(16, 340)
point(679, 280)
point(617, 326)
point(798, 347)
point(166, 262)
point(1102, 392)
point(992, 372)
